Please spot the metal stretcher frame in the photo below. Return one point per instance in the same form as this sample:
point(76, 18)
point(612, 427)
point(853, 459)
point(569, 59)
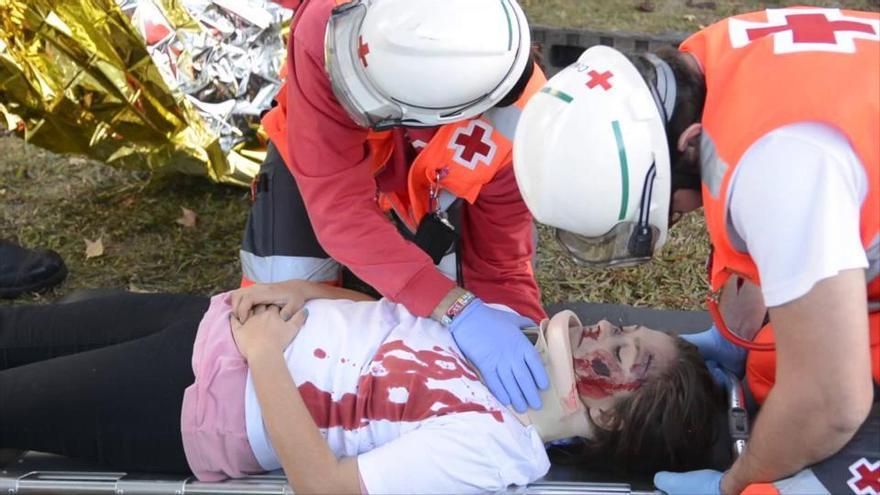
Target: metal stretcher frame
point(28, 477)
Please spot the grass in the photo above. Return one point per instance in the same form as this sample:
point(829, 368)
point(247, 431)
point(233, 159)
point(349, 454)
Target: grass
point(58, 202)
point(667, 16)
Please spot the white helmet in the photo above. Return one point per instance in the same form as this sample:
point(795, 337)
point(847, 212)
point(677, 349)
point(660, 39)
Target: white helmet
point(424, 62)
point(591, 157)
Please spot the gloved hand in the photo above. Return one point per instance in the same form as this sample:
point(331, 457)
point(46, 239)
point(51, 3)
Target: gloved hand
point(493, 341)
point(702, 482)
point(714, 347)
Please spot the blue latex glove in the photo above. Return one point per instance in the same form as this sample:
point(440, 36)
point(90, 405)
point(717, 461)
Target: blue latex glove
point(718, 374)
point(493, 341)
point(714, 347)
point(702, 482)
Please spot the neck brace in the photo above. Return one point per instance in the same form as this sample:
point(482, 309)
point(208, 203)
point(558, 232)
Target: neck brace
point(563, 415)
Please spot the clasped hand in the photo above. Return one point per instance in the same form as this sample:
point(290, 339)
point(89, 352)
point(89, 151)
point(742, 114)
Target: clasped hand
point(265, 331)
point(289, 296)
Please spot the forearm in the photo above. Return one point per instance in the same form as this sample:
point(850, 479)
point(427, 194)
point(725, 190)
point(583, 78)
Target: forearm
point(788, 435)
point(823, 382)
point(309, 464)
point(499, 247)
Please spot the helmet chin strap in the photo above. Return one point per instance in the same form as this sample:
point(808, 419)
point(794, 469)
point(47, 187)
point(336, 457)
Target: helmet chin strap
point(664, 90)
point(563, 415)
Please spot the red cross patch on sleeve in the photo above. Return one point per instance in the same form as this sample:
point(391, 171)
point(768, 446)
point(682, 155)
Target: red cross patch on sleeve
point(473, 144)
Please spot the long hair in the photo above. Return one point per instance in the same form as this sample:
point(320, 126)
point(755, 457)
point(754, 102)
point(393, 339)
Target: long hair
point(667, 423)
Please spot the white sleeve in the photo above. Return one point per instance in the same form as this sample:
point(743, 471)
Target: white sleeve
point(795, 203)
point(461, 453)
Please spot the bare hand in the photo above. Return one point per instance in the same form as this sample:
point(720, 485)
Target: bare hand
point(265, 331)
point(289, 296)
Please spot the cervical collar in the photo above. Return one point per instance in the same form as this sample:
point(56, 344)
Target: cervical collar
point(563, 415)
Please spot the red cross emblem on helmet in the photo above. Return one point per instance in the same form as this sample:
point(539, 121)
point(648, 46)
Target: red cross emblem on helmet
point(806, 30)
point(473, 144)
point(865, 477)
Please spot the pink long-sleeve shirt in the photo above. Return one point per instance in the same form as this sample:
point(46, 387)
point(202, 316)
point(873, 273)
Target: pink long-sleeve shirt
point(329, 159)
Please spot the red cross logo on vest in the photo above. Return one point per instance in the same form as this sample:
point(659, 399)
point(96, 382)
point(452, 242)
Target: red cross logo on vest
point(866, 477)
point(473, 144)
point(806, 30)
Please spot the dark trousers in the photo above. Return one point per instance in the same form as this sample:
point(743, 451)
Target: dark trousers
point(101, 379)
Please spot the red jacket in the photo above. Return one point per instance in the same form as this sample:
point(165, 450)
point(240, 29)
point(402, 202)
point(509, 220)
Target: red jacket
point(328, 158)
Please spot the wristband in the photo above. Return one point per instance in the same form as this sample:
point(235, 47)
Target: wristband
point(457, 307)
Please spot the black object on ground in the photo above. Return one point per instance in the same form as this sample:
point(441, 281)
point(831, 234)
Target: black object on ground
point(28, 270)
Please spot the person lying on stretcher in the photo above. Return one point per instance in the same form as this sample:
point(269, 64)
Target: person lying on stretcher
point(344, 394)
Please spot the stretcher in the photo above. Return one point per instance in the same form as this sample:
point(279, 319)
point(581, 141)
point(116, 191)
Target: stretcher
point(40, 473)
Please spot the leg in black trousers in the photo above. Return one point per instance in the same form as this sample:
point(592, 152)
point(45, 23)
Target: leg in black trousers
point(101, 379)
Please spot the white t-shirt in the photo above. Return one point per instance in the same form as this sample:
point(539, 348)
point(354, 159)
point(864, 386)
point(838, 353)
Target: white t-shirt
point(394, 390)
point(795, 201)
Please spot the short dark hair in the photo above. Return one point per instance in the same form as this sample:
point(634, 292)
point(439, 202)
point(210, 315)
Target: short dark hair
point(689, 102)
point(669, 423)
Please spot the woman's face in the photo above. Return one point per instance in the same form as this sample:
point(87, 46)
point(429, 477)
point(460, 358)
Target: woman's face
point(610, 361)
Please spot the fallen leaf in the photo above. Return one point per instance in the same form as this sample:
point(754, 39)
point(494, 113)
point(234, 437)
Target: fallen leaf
point(138, 290)
point(690, 17)
point(188, 219)
point(94, 248)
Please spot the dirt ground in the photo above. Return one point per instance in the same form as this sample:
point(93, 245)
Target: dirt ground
point(69, 203)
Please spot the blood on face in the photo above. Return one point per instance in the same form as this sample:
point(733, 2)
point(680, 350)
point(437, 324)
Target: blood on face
point(599, 375)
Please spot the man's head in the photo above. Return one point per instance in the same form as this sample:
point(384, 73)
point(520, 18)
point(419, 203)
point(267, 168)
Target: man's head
point(602, 151)
point(425, 62)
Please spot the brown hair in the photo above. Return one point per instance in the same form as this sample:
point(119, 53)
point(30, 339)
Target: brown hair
point(667, 423)
point(689, 102)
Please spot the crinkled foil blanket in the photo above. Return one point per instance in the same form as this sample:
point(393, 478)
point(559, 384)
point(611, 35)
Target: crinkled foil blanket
point(163, 85)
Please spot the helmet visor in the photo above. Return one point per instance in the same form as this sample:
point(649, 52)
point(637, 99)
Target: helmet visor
point(345, 58)
point(626, 244)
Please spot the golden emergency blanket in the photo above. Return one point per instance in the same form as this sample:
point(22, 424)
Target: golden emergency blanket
point(163, 85)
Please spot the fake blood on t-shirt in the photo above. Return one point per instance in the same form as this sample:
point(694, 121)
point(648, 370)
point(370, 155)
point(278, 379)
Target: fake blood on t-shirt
point(370, 372)
point(395, 389)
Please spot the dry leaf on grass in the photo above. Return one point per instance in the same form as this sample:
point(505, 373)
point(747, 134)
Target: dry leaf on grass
point(94, 248)
point(188, 218)
point(138, 290)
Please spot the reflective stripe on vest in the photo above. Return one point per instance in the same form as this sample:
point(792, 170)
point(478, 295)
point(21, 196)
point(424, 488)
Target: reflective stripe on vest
point(269, 269)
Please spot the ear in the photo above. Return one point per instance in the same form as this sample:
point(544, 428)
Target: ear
point(689, 136)
point(601, 418)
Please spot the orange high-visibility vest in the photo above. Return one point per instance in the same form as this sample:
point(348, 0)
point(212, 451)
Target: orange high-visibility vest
point(461, 158)
point(768, 69)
